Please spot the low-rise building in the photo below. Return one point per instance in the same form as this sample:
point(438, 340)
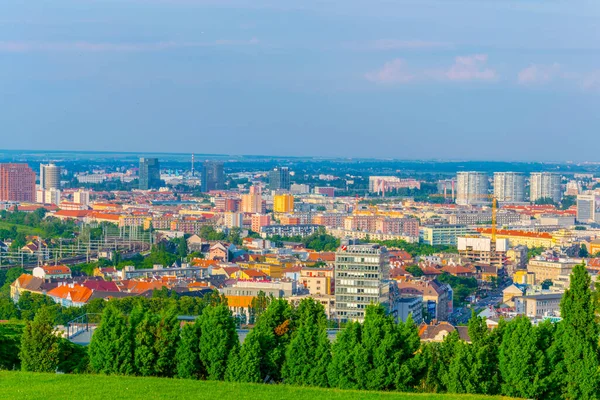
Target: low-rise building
point(443, 235)
point(538, 305)
point(550, 269)
point(47, 272)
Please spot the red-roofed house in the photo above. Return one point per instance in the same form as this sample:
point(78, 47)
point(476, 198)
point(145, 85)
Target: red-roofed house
point(52, 272)
point(100, 285)
point(71, 295)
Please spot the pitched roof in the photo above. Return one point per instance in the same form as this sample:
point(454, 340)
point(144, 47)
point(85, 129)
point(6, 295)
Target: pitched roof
point(253, 273)
point(104, 286)
point(29, 282)
point(327, 256)
point(56, 269)
point(75, 293)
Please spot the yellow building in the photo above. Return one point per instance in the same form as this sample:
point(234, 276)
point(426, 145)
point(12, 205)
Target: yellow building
point(524, 277)
point(283, 203)
point(516, 238)
point(272, 270)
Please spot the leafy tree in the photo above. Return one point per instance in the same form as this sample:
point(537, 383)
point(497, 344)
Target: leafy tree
point(166, 343)
point(342, 370)
point(485, 376)
point(522, 361)
point(308, 354)
point(39, 344)
point(258, 305)
point(414, 270)
point(217, 340)
point(111, 345)
point(583, 251)
point(10, 340)
point(245, 364)
point(575, 351)
point(189, 365)
point(144, 350)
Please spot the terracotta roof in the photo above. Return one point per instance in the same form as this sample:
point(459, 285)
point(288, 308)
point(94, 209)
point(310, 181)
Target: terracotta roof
point(29, 282)
point(425, 288)
point(327, 256)
point(457, 270)
point(76, 293)
point(506, 232)
point(253, 273)
point(56, 269)
point(72, 213)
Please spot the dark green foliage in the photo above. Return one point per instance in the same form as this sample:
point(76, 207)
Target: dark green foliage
point(414, 270)
point(111, 347)
point(523, 362)
point(342, 370)
point(583, 251)
point(187, 357)
point(144, 349)
point(218, 338)
point(245, 362)
point(10, 342)
point(308, 354)
point(166, 343)
point(258, 306)
point(575, 351)
point(461, 286)
point(39, 344)
point(73, 358)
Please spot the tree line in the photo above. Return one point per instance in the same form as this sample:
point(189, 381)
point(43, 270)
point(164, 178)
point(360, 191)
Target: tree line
point(290, 345)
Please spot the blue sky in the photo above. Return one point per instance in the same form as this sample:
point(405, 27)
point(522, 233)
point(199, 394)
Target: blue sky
point(471, 79)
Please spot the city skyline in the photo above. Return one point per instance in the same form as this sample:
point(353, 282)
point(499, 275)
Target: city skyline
point(387, 80)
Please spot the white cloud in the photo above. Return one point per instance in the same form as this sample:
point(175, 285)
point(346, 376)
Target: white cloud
point(470, 68)
point(465, 68)
point(392, 72)
point(539, 74)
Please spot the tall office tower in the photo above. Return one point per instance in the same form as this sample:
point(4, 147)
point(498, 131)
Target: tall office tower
point(472, 188)
point(49, 176)
point(509, 187)
point(279, 178)
point(213, 177)
point(362, 274)
point(588, 208)
point(545, 185)
point(17, 183)
point(149, 175)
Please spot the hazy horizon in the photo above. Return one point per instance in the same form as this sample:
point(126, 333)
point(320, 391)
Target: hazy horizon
point(452, 80)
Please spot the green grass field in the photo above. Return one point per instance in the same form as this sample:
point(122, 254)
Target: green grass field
point(21, 385)
point(27, 230)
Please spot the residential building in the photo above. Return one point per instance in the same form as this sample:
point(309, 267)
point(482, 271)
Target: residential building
point(327, 300)
point(509, 187)
point(318, 280)
point(362, 277)
point(538, 305)
point(474, 217)
point(299, 188)
point(588, 208)
point(233, 219)
point(383, 184)
point(49, 176)
point(409, 305)
point(48, 272)
point(524, 238)
point(289, 230)
point(550, 269)
point(545, 185)
point(129, 272)
point(70, 295)
point(81, 197)
point(213, 176)
point(472, 188)
point(239, 295)
point(279, 178)
point(253, 202)
point(17, 183)
point(325, 191)
point(48, 196)
point(443, 235)
point(437, 297)
point(149, 173)
point(283, 203)
point(260, 220)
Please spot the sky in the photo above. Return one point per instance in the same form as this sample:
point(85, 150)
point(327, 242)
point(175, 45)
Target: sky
point(405, 79)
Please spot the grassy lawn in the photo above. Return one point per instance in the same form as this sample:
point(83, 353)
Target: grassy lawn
point(20, 385)
point(27, 230)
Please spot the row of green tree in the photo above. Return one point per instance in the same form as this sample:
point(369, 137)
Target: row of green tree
point(46, 228)
point(291, 345)
point(318, 241)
